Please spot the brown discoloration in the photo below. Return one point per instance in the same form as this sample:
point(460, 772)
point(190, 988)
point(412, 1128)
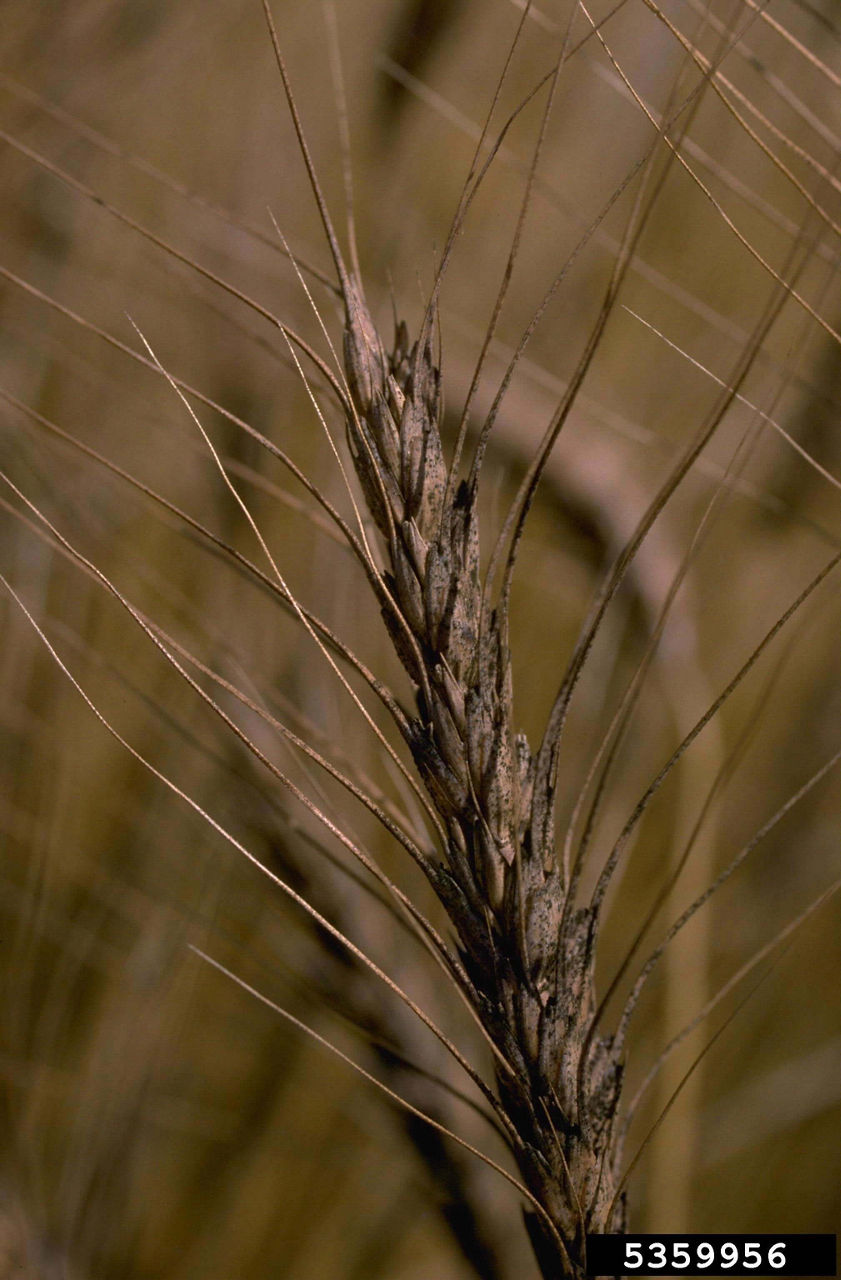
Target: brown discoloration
point(529, 957)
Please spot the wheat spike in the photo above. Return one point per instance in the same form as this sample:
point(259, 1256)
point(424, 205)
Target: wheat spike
point(529, 959)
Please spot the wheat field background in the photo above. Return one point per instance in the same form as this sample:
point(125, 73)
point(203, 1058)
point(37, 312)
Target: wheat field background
point(158, 1121)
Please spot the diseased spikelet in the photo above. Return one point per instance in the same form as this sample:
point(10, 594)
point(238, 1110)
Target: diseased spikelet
point(529, 956)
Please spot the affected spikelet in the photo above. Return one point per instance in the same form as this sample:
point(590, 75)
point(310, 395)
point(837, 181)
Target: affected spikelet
point(529, 957)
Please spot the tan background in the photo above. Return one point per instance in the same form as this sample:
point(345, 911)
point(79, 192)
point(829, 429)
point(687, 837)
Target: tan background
point(157, 1121)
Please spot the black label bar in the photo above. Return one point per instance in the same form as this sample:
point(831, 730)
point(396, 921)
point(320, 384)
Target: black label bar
point(762, 1256)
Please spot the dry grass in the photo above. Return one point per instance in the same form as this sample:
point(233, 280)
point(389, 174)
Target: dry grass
point(425, 677)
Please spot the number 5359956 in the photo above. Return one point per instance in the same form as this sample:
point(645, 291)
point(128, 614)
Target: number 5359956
point(677, 1255)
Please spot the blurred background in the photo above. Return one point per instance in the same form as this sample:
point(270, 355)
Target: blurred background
point(158, 1120)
